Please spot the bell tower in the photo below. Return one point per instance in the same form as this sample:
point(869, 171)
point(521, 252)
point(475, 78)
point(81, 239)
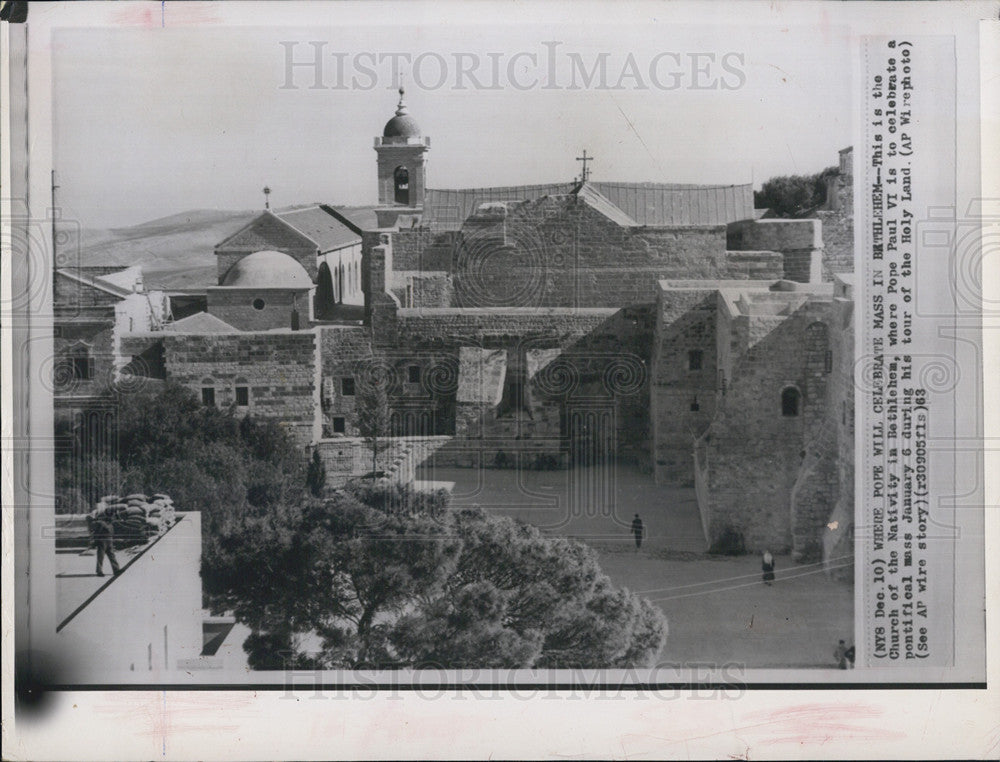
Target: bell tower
point(401, 167)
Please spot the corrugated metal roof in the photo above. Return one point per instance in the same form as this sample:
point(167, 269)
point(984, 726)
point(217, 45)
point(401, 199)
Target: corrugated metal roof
point(668, 205)
point(653, 204)
point(590, 194)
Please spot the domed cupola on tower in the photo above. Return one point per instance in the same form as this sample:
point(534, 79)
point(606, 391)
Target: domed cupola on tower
point(401, 166)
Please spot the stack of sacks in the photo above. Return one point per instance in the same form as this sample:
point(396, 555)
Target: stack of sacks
point(162, 508)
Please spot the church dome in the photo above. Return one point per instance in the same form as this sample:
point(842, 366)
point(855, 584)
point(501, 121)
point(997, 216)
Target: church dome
point(267, 269)
point(402, 125)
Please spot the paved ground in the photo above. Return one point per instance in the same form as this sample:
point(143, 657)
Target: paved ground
point(593, 505)
point(719, 610)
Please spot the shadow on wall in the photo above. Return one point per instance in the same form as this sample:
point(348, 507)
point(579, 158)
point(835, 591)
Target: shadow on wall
point(776, 407)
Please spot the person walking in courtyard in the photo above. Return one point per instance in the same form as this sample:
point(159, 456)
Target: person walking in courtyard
point(103, 534)
point(639, 531)
point(767, 567)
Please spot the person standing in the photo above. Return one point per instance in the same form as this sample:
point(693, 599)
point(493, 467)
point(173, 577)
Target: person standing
point(103, 533)
point(639, 531)
point(840, 655)
point(767, 567)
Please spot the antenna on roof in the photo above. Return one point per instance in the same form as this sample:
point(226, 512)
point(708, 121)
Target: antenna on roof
point(267, 201)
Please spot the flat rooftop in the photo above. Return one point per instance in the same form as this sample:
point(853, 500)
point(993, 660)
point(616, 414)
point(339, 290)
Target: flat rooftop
point(77, 583)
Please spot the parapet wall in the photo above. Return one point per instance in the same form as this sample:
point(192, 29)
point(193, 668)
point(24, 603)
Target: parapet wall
point(799, 241)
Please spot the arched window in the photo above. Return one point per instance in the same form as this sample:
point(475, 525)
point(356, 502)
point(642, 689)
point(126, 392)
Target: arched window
point(790, 399)
point(401, 181)
point(324, 299)
point(818, 354)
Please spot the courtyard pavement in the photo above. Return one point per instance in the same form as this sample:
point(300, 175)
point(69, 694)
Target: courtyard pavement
point(593, 505)
point(719, 610)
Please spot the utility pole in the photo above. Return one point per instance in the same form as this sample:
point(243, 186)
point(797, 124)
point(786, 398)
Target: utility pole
point(54, 215)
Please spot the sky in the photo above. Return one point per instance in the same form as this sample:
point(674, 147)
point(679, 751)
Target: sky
point(152, 121)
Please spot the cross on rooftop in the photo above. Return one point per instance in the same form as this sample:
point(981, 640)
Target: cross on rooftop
point(585, 159)
point(267, 201)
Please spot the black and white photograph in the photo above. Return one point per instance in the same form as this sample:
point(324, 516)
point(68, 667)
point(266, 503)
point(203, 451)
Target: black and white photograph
point(374, 349)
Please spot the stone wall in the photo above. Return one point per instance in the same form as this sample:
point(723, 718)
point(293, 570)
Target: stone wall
point(279, 368)
point(561, 251)
point(421, 249)
point(82, 338)
point(682, 399)
point(837, 218)
point(838, 537)
point(347, 458)
point(754, 265)
point(69, 293)
point(799, 241)
point(422, 326)
point(416, 289)
point(752, 452)
point(236, 307)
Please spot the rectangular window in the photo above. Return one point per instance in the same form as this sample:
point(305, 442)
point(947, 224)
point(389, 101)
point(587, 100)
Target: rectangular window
point(694, 359)
point(828, 361)
point(413, 374)
point(339, 425)
point(347, 387)
point(243, 396)
point(208, 396)
point(83, 368)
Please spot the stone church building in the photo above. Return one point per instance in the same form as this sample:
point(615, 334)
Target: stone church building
point(575, 324)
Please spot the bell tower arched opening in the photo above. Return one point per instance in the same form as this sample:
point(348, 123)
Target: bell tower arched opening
point(401, 185)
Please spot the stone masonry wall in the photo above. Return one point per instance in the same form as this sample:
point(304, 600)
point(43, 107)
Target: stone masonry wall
point(838, 226)
point(682, 400)
point(799, 241)
point(423, 249)
point(235, 306)
point(560, 251)
point(73, 338)
point(279, 368)
point(753, 453)
point(838, 539)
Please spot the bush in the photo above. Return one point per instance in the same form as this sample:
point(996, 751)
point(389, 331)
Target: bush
point(728, 543)
point(546, 462)
point(811, 553)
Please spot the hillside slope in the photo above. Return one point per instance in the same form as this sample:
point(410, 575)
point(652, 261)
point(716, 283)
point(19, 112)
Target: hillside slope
point(175, 251)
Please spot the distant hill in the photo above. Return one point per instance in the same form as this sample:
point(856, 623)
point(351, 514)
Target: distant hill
point(175, 251)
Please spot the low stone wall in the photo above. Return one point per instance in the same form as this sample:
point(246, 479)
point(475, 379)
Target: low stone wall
point(347, 458)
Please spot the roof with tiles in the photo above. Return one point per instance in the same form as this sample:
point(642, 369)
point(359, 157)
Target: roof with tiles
point(330, 229)
point(200, 322)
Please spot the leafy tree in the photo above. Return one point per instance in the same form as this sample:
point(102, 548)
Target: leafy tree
point(373, 417)
point(388, 577)
point(206, 458)
point(316, 475)
point(794, 195)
